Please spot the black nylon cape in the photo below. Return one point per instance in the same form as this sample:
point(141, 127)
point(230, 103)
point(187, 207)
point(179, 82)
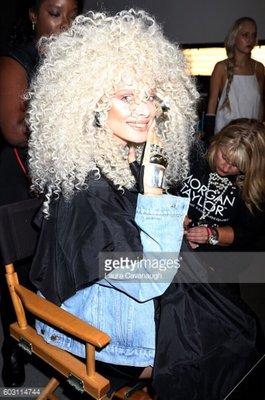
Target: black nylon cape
point(207, 338)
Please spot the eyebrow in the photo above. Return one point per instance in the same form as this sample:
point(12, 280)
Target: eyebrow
point(246, 31)
point(124, 91)
point(229, 162)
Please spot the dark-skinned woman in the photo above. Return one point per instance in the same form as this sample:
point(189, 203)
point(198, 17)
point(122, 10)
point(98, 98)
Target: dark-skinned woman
point(17, 67)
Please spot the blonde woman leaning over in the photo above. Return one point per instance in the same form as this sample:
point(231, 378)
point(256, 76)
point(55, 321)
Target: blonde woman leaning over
point(208, 338)
point(237, 83)
point(227, 211)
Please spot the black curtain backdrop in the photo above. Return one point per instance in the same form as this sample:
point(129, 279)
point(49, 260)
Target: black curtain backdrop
point(10, 13)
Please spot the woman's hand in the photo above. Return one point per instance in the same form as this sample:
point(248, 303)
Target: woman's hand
point(197, 235)
point(186, 223)
point(150, 178)
point(200, 234)
point(154, 163)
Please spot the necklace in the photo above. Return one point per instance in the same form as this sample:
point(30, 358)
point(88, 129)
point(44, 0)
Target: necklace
point(216, 184)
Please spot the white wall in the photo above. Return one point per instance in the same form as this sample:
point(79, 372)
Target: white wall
point(193, 21)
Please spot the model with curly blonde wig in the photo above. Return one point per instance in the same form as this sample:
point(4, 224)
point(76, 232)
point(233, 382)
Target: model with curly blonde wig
point(74, 85)
point(237, 83)
point(107, 86)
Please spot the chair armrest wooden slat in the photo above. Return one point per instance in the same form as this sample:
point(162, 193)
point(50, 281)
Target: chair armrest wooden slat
point(54, 315)
point(61, 360)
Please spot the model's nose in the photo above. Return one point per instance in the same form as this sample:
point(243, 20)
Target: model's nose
point(225, 167)
point(141, 109)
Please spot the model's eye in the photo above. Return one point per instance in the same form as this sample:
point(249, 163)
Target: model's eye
point(54, 14)
point(151, 98)
point(248, 35)
point(127, 98)
point(228, 162)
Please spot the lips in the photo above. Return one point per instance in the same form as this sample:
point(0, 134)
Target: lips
point(221, 172)
point(138, 125)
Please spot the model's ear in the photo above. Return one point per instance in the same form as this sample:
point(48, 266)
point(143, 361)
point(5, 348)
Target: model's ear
point(32, 16)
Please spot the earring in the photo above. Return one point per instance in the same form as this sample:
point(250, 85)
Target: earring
point(33, 25)
point(97, 122)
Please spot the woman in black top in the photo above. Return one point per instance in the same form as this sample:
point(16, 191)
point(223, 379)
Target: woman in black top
point(208, 338)
point(17, 67)
point(227, 194)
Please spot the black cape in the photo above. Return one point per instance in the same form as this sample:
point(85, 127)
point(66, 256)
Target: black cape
point(207, 337)
point(97, 219)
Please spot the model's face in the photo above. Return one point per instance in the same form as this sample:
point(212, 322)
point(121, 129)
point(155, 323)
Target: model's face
point(246, 38)
point(223, 166)
point(53, 16)
point(131, 117)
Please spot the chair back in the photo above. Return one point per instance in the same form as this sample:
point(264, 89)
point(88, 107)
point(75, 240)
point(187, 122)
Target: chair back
point(18, 239)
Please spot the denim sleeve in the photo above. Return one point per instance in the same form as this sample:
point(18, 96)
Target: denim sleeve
point(160, 220)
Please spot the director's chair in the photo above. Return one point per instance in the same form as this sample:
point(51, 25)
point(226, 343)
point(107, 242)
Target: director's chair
point(17, 241)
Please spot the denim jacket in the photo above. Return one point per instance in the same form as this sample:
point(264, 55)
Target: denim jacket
point(121, 304)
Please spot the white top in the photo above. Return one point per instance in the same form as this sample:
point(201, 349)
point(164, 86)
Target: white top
point(245, 101)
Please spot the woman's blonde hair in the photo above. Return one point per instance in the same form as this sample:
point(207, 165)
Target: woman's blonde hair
point(230, 51)
point(243, 143)
point(74, 86)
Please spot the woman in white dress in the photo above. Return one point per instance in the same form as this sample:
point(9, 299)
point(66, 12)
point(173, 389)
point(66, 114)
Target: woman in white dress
point(237, 83)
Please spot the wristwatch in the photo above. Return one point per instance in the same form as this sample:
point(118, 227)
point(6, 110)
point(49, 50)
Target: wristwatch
point(213, 238)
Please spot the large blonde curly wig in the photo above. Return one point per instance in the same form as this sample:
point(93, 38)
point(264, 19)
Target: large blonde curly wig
point(77, 79)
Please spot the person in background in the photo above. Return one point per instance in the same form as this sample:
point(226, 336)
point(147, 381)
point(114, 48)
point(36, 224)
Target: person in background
point(17, 66)
point(237, 83)
point(227, 191)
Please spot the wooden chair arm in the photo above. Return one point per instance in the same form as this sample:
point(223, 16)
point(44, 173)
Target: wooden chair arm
point(60, 318)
